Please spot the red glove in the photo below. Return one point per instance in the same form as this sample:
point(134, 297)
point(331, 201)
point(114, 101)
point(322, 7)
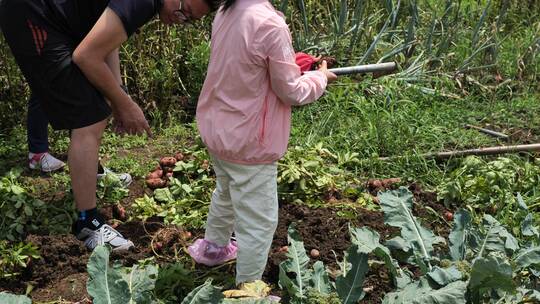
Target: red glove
point(305, 61)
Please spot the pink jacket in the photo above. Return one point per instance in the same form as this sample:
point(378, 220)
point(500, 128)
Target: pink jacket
point(244, 109)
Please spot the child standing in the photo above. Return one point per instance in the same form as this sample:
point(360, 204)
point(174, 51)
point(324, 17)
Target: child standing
point(244, 115)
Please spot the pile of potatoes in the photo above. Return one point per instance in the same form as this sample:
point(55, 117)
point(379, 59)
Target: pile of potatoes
point(161, 174)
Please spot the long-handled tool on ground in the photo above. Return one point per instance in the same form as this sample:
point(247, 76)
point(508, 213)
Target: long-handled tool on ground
point(481, 151)
point(378, 68)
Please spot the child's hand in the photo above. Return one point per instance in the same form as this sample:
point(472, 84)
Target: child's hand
point(329, 75)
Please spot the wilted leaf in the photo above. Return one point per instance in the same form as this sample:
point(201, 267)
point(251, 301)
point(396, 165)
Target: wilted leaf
point(256, 289)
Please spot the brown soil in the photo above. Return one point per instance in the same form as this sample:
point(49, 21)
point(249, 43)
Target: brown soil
point(61, 272)
point(323, 230)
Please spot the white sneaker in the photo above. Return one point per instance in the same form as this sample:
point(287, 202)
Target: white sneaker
point(104, 235)
point(124, 178)
point(44, 162)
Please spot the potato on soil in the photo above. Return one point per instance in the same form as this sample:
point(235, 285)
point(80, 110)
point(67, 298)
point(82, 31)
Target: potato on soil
point(390, 181)
point(284, 249)
point(156, 183)
point(186, 235)
point(167, 161)
point(374, 183)
point(155, 174)
point(315, 253)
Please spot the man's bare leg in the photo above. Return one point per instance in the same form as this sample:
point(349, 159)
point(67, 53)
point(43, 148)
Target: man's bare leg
point(83, 160)
point(83, 167)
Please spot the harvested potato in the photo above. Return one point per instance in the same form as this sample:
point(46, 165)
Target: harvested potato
point(155, 174)
point(167, 161)
point(156, 183)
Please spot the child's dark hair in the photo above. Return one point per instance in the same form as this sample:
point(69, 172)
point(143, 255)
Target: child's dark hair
point(227, 4)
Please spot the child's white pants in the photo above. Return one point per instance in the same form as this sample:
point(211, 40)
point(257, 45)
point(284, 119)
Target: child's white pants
point(245, 200)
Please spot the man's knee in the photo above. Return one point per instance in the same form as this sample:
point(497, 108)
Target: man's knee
point(94, 131)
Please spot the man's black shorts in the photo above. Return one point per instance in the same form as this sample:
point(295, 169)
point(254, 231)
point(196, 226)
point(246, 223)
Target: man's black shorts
point(44, 54)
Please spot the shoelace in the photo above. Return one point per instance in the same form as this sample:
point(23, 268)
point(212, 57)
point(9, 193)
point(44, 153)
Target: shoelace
point(104, 234)
point(109, 233)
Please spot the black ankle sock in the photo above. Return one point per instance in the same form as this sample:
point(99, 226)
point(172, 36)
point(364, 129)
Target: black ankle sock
point(90, 219)
point(85, 214)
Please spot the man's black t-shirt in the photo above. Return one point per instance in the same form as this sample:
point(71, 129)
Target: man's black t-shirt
point(77, 17)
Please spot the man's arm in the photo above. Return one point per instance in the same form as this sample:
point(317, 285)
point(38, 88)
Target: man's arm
point(113, 61)
point(91, 56)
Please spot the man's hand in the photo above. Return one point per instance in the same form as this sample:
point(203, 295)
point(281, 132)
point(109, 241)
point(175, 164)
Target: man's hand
point(329, 75)
point(130, 119)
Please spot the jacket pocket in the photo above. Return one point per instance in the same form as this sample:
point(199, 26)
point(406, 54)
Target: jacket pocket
point(262, 131)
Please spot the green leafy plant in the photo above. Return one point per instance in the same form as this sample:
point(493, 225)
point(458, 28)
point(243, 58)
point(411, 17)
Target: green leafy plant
point(494, 187)
point(301, 282)
point(206, 293)
point(174, 282)
point(484, 261)
point(116, 284)
point(144, 283)
point(186, 199)
point(15, 257)
point(314, 174)
point(482, 183)
point(110, 189)
point(18, 209)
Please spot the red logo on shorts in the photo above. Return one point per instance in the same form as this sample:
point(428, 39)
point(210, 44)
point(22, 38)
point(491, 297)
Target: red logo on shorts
point(39, 34)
